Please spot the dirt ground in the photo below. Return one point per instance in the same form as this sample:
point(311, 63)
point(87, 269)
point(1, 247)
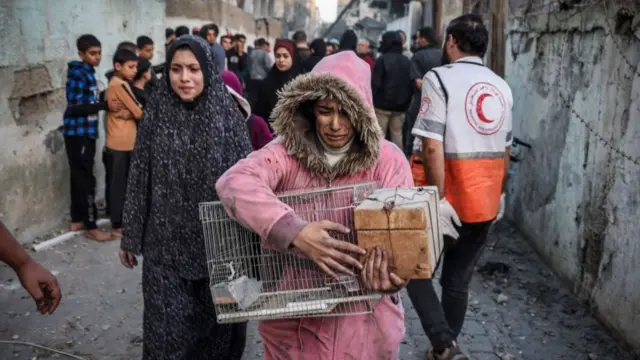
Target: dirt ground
point(518, 310)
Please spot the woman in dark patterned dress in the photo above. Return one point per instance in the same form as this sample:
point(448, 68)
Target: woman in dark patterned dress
point(191, 133)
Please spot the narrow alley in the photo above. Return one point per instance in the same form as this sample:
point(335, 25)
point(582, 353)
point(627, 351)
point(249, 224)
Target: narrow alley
point(518, 310)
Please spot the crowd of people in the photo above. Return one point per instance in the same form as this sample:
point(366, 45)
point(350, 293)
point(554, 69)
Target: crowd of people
point(219, 122)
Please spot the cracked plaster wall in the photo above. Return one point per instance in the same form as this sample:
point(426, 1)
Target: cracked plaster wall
point(38, 40)
point(575, 197)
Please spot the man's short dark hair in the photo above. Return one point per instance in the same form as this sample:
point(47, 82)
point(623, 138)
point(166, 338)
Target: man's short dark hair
point(299, 36)
point(429, 34)
point(267, 43)
point(470, 33)
point(123, 55)
point(127, 45)
point(86, 41)
point(237, 37)
point(143, 41)
point(182, 30)
point(261, 42)
point(168, 32)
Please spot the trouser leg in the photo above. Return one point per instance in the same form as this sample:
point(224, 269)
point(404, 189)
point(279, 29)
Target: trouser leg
point(442, 321)
point(73, 148)
point(87, 157)
point(457, 271)
point(107, 182)
point(395, 128)
point(118, 170)
point(81, 152)
point(383, 119)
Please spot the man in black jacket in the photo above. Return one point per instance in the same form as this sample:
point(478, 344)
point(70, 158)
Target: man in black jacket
point(392, 86)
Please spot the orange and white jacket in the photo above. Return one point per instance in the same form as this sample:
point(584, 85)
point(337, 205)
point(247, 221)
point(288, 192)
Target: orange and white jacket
point(469, 108)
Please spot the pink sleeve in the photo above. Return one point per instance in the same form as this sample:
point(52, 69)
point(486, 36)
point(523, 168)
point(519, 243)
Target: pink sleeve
point(393, 169)
point(247, 192)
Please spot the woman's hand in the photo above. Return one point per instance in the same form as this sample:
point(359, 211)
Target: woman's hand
point(376, 275)
point(315, 242)
point(128, 259)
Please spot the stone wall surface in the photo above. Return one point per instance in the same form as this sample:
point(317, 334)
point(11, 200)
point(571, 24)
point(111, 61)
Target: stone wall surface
point(576, 86)
point(38, 40)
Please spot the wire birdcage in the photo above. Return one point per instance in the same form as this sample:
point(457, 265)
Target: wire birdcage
point(252, 280)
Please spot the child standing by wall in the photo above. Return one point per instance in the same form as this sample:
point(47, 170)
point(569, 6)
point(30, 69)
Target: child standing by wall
point(80, 130)
point(121, 132)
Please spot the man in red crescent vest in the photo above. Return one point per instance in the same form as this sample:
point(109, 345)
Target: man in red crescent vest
point(464, 125)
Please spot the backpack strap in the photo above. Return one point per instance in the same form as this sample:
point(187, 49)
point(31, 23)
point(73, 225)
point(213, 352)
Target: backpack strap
point(444, 89)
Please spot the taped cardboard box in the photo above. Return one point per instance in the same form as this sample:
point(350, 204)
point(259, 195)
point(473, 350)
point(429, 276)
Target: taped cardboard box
point(405, 223)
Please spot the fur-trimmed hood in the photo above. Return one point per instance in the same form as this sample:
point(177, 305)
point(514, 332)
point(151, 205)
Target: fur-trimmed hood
point(343, 77)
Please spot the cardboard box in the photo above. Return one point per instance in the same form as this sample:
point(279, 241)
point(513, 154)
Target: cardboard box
point(401, 221)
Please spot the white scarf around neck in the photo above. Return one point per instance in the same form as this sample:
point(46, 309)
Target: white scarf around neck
point(333, 155)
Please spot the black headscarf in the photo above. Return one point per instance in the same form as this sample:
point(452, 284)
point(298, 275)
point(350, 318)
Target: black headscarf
point(180, 152)
point(276, 79)
point(193, 43)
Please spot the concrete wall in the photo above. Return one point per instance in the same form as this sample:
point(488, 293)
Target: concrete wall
point(576, 86)
point(38, 40)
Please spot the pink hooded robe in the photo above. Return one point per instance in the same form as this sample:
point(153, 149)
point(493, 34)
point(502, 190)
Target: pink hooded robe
point(294, 161)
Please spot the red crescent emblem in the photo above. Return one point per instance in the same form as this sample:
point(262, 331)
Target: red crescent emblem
point(425, 105)
point(479, 103)
point(485, 117)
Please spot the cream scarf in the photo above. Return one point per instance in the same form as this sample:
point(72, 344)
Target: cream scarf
point(334, 155)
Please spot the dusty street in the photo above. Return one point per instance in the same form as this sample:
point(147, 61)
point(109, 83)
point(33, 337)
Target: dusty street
point(517, 311)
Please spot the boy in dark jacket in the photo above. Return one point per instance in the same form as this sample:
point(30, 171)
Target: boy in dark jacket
point(80, 130)
point(392, 86)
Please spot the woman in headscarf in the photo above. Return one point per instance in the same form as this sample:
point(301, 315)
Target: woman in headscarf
point(260, 133)
point(288, 65)
point(192, 131)
point(318, 51)
point(328, 136)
